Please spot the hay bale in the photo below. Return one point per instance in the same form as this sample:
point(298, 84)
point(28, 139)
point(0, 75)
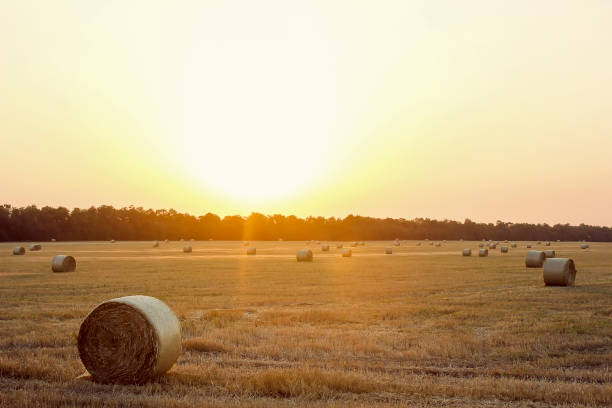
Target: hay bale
point(492, 246)
point(155, 244)
point(112, 241)
point(418, 244)
point(396, 243)
point(19, 250)
point(251, 251)
point(513, 245)
point(129, 340)
point(347, 253)
point(528, 245)
point(480, 245)
point(535, 259)
point(166, 241)
point(354, 244)
point(467, 252)
point(559, 272)
point(318, 242)
point(246, 243)
point(339, 245)
point(483, 252)
point(181, 240)
point(325, 248)
point(504, 249)
point(63, 263)
point(53, 239)
point(362, 243)
point(388, 250)
point(35, 247)
point(438, 244)
point(304, 255)
point(539, 243)
point(187, 248)
point(584, 246)
point(549, 253)
point(548, 244)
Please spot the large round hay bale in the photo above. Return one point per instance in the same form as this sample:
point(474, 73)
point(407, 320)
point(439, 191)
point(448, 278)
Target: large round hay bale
point(304, 255)
point(528, 245)
point(354, 244)
point(112, 241)
point(388, 250)
point(251, 251)
point(155, 244)
point(550, 253)
point(339, 245)
point(362, 243)
point(480, 245)
point(19, 250)
point(584, 246)
point(548, 244)
point(539, 243)
point(467, 252)
point(492, 246)
point(325, 248)
point(318, 242)
point(513, 245)
point(35, 247)
point(129, 340)
point(438, 244)
point(559, 272)
point(418, 244)
point(396, 243)
point(246, 243)
point(535, 259)
point(347, 253)
point(63, 263)
point(504, 249)
point(53, 240)
point(483, 252)
point(187, 248)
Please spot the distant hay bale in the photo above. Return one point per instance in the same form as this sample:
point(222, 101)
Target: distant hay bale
point(483, 252)
point(467, 252)
point(431, 243)
point(539, 243)
point(513, 245)
point(35, 247)
point(504, 249)
point(246, 243)
point(528, 245)
point(535, 259)
point(584, 246)
point(112, 241)
point(339, 245)
point(548, 244)
point(388, 250)
point(63, 263)
point(129, 340)
point(53, 239)
point(354, 244)
point(559, 272)
point(187, 248)
point(155, 244)
point(280, 239)
point(480, 245)
point(318, 242)
point(181, 240)
point(396, 243)
point(438, 244)
point(549, 253)
point(191, 240)
point(304, 255)
point(418, 244)
point(492, 246)
point(19, 250)
point(347, 253)
point(324, 247)
point(251, 251)
point(362, 243)
point(166, 241)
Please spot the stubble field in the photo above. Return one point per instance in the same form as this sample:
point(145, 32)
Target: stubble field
point(421, 327)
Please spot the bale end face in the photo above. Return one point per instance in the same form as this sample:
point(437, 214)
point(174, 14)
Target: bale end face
point(187, 249)
point(347, 253)
point(388, 250)
point(251, 251)
point(504, 249)
point(483, 252)
point(35, 247)
point(467, 252)
point(325, 248)
point(535, 259)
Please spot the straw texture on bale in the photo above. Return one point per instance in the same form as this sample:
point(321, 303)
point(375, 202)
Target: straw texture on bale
point(35, 247)
point(325, 248)
point(63, 263)
point(187, 249)
point(438, 244)
point(504, 249)
point(559, 272)
point(112, 241)
point(534, 259)
point(339, 245)
point(304, 255)
point(584, 246)
point(251, 251)
point(354, 244)
point(347, 253)
point(548, 244)
point(480, 245)
point(492, 246)
point(388, 250)
point(550, 253)
point(19, 250)
point(396, 243)
point(528, 246)
point(483, 252)
point(513, 245)
point(467, 252)
point(155, 244)
point(129, 340)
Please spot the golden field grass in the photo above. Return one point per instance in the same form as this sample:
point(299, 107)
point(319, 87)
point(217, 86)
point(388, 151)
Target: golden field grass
point(422, 327)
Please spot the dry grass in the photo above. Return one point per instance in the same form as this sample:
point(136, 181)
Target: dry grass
point(388, 330)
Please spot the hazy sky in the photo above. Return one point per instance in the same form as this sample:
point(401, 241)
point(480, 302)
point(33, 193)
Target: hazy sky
point(444, 109)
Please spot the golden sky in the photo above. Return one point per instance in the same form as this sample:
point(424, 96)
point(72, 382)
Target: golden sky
point(444, 109)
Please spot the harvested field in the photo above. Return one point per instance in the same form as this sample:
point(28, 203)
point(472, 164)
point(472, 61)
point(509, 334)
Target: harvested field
point(424, 327)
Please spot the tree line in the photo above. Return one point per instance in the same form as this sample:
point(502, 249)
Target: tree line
point(136, 223)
